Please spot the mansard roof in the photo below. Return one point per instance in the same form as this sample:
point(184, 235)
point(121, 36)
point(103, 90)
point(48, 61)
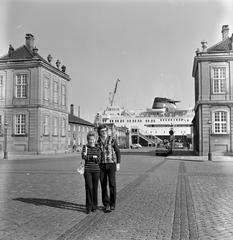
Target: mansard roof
point(22, 53)
point(77, 120)
point(223, 46)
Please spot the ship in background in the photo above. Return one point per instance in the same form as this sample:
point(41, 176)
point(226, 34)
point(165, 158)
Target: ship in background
point(151, 125)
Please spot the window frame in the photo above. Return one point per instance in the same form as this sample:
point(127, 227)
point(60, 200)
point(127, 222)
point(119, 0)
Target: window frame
point(63, 95)
point(46, 125)
point(63, 127)
point(220, 122)
point(55, 92)
point(221, 81)
point(46, 88)
point(2, 87)
point(21, 125)
point(55, 126)
point(22, 87)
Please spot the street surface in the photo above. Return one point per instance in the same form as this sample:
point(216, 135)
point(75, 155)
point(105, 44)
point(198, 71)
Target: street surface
point(157, 198)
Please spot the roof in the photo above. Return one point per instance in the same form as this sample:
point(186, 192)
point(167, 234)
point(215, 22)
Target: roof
point(77, 120)
point(22, 52)
point(225, 45)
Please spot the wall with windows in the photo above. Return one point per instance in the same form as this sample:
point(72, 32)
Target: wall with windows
point(77, 135)
point(213, 122)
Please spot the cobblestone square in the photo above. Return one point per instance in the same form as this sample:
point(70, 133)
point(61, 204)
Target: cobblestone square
point(157, 198)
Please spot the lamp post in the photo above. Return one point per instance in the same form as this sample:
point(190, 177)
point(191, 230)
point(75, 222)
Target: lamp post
point(210, 153)
point(5, 153)
point(172, 138)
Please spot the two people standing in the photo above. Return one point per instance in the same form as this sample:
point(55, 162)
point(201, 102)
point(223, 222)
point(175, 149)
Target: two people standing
point(102, 160)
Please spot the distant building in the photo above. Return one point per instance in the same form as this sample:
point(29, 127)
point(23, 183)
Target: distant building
point(213, 74)
point(121, 134)
point(33, 101)
point(77, 132)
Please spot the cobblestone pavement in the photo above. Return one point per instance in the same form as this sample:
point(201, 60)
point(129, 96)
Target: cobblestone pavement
point(157, 198)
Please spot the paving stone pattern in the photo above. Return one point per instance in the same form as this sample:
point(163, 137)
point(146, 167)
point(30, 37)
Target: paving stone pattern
point(157, 198)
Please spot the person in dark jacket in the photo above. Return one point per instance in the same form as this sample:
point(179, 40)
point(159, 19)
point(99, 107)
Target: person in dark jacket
point(91, 155)
point(109, 164)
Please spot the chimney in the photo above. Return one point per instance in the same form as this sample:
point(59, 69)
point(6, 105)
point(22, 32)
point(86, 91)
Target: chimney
point(225, 32)
point(78, 111)
point(72, 109)
point(29, 41)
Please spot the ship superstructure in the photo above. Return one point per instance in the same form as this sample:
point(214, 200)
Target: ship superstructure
point(151, 122)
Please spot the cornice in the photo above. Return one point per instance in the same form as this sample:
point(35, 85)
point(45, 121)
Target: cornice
point(213, 103)
point(33, 106)
point(30, 63)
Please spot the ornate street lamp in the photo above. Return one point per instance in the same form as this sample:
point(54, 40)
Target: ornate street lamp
point(5, 153)
point(210, 153)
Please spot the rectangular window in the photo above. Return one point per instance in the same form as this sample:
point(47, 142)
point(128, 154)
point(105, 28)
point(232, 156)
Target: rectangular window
point(21, 86)
point(1, 87)
point(20, 124)
point(55, 126)
point(46, 88)
point(1, 125)
point(63, 95)
point(220, 122)
point(55, 92)
point(219, 80)
point(63, 127)
point(46, 125)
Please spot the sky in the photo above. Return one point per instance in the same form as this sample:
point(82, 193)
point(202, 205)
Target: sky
point(148, 44)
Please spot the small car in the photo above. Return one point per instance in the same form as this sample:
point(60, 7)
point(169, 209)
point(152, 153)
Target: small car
point(162, 150)
point(135, 146)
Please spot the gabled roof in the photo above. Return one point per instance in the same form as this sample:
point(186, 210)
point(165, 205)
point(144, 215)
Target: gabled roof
point(225, 45)
point(22, 52)
point(77, 120)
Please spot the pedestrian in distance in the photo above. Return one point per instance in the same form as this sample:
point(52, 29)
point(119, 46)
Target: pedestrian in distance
point(109, 164)
point(91, 155)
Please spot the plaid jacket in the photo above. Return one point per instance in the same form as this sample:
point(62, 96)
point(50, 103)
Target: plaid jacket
point(110, 152)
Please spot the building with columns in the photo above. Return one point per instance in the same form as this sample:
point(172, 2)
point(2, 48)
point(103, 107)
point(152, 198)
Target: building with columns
point(33, 101)
point(213, 75)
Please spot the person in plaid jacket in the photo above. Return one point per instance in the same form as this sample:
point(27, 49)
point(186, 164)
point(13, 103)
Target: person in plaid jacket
point(109, 164)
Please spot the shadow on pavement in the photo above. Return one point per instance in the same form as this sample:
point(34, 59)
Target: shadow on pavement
point(53, 203)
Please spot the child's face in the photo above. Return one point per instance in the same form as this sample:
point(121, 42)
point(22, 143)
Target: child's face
point(91, 141)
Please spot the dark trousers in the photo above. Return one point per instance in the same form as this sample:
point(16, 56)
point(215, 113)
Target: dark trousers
point(91, 186)
point(108, 176)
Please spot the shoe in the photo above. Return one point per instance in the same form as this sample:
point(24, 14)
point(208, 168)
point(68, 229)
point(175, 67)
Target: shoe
point(107, 209)
point(88, 211)
point(112, 208)
point(93, 210)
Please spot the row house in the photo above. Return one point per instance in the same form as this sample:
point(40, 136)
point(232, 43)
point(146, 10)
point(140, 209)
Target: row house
point(33, 101)
point(213, 74)
point(78, 130)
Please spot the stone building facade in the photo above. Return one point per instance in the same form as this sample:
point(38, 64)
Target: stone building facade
point(77, 131)
point(33, 101)
point(213, 74)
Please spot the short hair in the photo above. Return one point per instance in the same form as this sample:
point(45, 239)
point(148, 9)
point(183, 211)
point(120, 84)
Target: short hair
point(102, 126)
point(91, 134)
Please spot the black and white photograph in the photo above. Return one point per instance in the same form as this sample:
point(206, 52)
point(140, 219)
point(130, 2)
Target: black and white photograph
point(116, 119)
